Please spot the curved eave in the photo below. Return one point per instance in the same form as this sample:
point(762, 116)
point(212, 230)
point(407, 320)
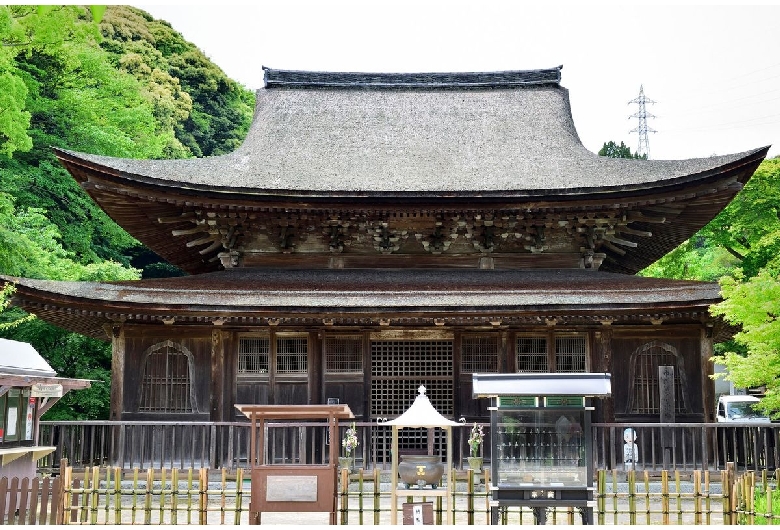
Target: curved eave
point(136, 203)
point(122, 173)
point(255, 297)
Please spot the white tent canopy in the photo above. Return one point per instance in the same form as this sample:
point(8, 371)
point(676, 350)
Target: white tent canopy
point(20, 358)
point(421, 414)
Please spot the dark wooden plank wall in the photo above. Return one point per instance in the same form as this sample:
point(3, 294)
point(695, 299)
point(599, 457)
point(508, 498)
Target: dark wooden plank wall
point(197, 342)
point(618, 343)
point(687, 342)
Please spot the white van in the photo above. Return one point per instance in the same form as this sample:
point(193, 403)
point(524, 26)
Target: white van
point(739, 409)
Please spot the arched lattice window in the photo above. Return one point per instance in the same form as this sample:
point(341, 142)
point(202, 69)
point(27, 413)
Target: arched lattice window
point(166, 379)
point(644, 394)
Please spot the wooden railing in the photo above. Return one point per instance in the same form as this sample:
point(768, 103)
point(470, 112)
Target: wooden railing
point(688, 446)
point(676, 446)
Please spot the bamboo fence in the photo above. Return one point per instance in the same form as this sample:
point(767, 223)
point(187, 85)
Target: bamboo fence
point(105, 496)
point(115, 496)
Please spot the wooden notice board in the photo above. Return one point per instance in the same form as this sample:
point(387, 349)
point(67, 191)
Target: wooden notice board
point(308, 487)
point(293, 488)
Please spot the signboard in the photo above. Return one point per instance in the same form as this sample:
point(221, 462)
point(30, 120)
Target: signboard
point(29, 423)
point(517, 401)
point(564, 401)
point(46, 390)
point(291, 489)
point(418, 513)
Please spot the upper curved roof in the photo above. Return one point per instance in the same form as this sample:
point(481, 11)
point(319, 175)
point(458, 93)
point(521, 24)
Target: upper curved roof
point(432, 135)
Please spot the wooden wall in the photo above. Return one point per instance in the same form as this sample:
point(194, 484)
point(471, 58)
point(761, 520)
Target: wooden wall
point(218, 387)
point(138, 342)
point(685, 340)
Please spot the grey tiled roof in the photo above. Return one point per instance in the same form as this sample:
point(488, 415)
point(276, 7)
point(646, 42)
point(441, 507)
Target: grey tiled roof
point(497, 136)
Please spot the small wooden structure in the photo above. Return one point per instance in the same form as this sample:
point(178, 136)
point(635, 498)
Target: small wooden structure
point(421, 414)
point(308, 487)
point(28, 388)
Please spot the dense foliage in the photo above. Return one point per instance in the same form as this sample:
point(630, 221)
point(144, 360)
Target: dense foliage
point(612, 150)
point(112, 82)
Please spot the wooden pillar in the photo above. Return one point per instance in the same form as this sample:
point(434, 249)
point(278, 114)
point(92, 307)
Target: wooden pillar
point(316, 369)
point(367, 376)
point(602, 362)
point(217, 387)
point(117, 372)
point(456, 382)
point(507, 353)
point(707, 370)
point(117, 334)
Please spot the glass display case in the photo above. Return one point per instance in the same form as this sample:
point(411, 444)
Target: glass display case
point(541, 454)
point(540, 447)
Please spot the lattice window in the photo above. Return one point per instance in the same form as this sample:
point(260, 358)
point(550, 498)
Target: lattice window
point(292, 355)
point(479, 354)
point(570, 354)
point(166, 381)
point(531, 354)
point(398, 368)
point(344, 354)
point(645, 395)
point(253, 354)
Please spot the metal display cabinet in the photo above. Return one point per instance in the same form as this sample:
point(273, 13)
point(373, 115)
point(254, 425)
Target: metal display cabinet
point(541, 453)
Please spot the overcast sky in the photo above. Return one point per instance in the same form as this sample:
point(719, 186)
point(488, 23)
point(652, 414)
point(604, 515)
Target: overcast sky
point(713, 71)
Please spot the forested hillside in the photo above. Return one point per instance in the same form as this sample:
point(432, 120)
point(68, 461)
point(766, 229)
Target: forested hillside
point(116, 83)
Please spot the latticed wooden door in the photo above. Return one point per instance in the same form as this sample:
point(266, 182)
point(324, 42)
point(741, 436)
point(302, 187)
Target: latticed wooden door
point(398, 368)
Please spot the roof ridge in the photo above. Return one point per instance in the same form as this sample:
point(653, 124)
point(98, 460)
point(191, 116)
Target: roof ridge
point(509, 78)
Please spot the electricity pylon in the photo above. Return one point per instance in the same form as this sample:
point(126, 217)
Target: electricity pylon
point(642, 128)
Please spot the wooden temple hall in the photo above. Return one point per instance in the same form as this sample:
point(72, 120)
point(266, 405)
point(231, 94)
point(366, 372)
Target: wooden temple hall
point(378, 232)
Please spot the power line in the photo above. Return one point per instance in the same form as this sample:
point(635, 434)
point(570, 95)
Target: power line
point(734, 81)
point(642, 128)
point(729, 104)
point(724, 126)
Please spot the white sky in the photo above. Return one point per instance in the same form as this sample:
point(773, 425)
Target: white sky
point(713, 71)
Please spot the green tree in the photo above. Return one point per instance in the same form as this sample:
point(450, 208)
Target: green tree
point(754, 305)
point(749, 227)
point(23, 30)
point(29, 247)
point(209, 113)
point(612, 150)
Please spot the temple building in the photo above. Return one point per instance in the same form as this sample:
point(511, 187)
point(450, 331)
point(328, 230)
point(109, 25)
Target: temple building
point(378, 232)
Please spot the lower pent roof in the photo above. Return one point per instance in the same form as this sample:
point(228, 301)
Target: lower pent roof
point(260, 296)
